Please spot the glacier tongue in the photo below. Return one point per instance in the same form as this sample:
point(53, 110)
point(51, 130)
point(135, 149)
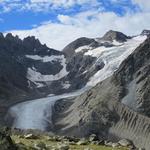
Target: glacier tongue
point(37, 114)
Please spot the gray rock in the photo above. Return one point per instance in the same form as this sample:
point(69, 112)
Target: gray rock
point(125, 142)
point(115, 35)
point(115, 145)
point(93, 137)
point(82, 142)
point(145, 32)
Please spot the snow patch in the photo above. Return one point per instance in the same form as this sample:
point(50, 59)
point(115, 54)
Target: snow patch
point(66, 85)
point(38, 85)
point(45, 58)
point(86, 47)
point(35, 76)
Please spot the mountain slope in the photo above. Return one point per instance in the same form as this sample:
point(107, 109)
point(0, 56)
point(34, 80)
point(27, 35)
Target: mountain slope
point(112, 108)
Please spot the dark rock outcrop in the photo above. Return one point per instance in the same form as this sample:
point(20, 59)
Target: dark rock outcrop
point(145, 32)
point(69, 50)
point(115, 35)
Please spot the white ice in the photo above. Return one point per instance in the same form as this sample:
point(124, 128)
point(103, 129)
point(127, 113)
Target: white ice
point(37, 114)
point(66, 85)
point(82, 48)
point(112, 57)
point(45, 58)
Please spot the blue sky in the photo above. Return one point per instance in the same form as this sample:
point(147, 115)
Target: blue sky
point(15, 18)
point(47, 18)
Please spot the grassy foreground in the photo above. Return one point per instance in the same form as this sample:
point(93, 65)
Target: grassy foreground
point(29, 144)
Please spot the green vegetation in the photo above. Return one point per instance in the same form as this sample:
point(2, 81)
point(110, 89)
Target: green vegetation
point(30, 143)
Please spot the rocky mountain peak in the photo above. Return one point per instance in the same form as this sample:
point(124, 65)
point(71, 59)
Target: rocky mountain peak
point(115, 35)
point(69, 50)
point(145, 32)
point(9, 36)
point(32, 40)
point(1, 35)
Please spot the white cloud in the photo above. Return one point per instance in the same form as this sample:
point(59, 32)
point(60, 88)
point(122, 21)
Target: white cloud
point(144, 4)
point(42, 5)
point(92, 23)
point(89, 24)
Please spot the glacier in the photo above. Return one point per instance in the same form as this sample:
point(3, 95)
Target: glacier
point(37, 114)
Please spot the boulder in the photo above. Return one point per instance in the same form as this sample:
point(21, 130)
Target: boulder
point(125, 142)
point(115, 145)
point(93, 137)
point(82, 142)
